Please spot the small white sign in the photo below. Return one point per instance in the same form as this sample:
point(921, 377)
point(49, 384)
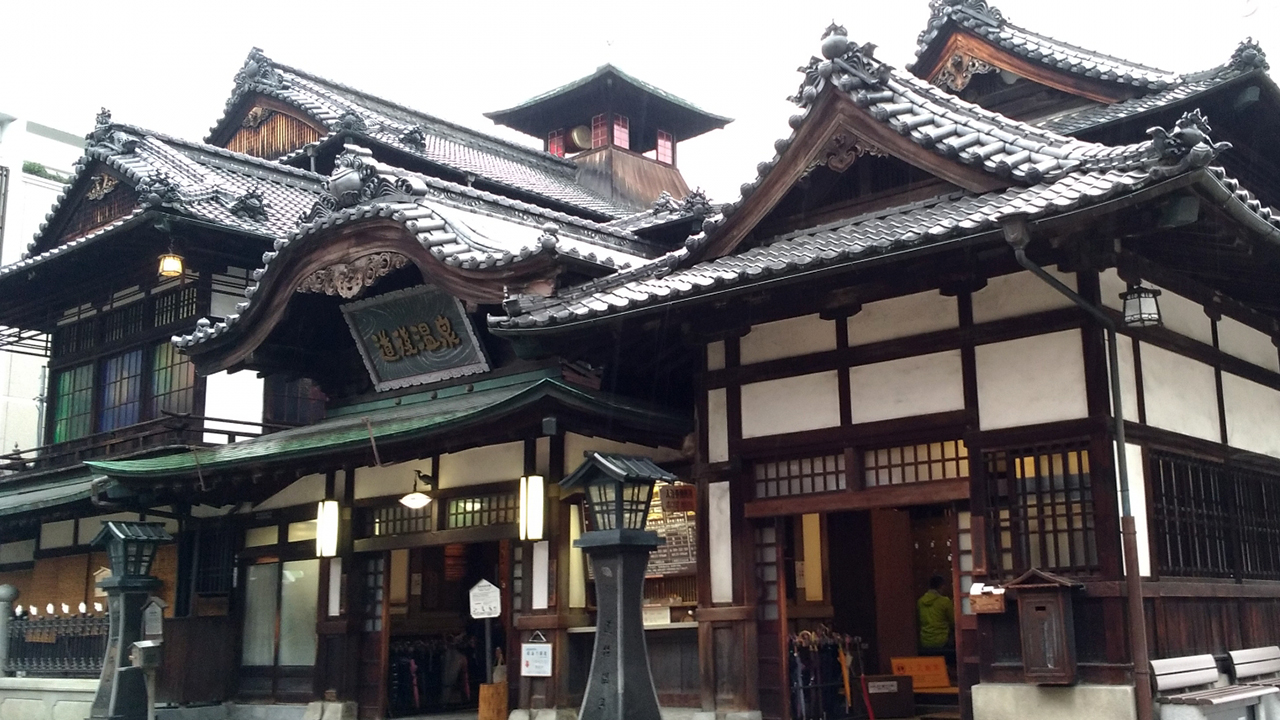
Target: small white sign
point(153, 620)
point(486, 600)
point(882, 686)
point(535, 660)
point(656, 615)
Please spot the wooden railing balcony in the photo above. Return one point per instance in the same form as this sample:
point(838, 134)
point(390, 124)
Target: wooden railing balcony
point(170, 430)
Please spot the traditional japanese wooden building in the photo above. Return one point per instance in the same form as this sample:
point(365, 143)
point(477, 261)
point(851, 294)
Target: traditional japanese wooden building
point(398, 452)
point(885, 391)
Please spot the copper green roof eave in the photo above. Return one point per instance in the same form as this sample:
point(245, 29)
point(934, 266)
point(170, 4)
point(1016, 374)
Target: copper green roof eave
point(411, 421)
point(46, 495)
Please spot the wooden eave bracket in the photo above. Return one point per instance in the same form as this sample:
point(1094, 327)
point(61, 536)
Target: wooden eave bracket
point(972, 46)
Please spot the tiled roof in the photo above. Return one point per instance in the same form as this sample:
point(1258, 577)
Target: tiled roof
point(235, 191)
point(459, 226)
point(666, 210)
point(986, 21)
point(1248, 58)
point(345, 111)
point(1061, 175)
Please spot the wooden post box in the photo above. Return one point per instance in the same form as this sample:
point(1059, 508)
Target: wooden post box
point(1046, 623)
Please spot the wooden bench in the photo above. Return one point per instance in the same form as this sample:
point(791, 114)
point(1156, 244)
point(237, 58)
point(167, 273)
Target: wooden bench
point(1197, 676)
point(928, 674)
point(1257, 666)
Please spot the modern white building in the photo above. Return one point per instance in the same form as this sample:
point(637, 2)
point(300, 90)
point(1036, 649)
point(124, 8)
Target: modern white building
point(33, 156)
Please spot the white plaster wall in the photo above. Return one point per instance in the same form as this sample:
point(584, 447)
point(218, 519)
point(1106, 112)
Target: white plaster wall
point(90, 527)
point(715, 355)
point(794, 404)
point(1021, 293)
point(1253, 415)
point(492, 463)
point(577, 560)
point(1236, 338)
point(1185, 317)
point(576, 446)
point(58, 534)
point(18, 551)
point(232, 396)
point(1138, 503)
point(541, 575)
point(907, 387)
point(1180, 393)
point(720, 541)
point(717, 426)
point(389, 479)
point(903, 317)
point(1031, 380)
point(1111, 285)
point(306, 490)
point(787, 338)
point(1128, 377)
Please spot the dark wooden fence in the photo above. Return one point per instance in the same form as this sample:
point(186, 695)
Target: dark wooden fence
point(58, 646)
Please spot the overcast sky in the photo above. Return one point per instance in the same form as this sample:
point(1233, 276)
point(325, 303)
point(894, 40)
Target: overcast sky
point(169, 65)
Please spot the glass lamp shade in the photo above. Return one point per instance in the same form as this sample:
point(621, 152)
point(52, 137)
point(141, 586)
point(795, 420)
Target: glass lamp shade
point(170, 264)
point(327, 515)
point(415, 500)
point(615, 505)
point(532, 502)
point(1141, 308)
point(131, 557)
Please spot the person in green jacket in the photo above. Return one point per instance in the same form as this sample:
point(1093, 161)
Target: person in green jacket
point(937, 617)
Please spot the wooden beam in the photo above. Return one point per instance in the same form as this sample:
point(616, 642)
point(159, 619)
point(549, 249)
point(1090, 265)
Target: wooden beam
point(919, 493)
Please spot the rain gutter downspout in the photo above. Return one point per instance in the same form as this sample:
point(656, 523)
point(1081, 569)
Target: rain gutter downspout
point(1017, 233)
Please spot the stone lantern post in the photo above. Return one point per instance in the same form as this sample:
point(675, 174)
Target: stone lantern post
point(619, 489)
point(131, 546)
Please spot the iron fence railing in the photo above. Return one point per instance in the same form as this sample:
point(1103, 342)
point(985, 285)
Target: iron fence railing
point(71, 646)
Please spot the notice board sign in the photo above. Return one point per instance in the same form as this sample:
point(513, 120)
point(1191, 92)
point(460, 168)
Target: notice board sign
point(414, 336)
point(486, 600)
point(535, 659)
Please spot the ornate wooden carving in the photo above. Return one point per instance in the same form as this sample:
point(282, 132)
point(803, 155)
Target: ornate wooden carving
point(90, 213)
point(255, 117)
point(843, 148)
point(348, 280)
point(959, 69)
point(100, 185)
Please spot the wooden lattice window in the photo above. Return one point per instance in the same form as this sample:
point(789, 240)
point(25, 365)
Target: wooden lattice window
point(555, 143)
point(599, 131)
point(124, 322)
point(175, 305)
point(947, 460)
point(173, 381)
point(1041, 501)
point(800, 476)
point(399, 520)
point(481, 510)
point(622, 132)
point(73, 403)
point(1192, 517)
point(666, 149)
point(121, 401)
point(215, 561)
point(1258, 500)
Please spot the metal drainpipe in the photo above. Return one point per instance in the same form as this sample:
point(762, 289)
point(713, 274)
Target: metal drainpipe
point(1017, 234)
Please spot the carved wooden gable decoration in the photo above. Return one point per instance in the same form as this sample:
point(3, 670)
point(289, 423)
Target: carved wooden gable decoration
point(270, 129)
point(104, 199)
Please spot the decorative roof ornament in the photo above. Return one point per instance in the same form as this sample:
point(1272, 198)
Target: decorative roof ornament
point(358, 178)
point(256, 116)
point(415, 137)
point(550, 236)
point(352, 121)
point(100, 186)
point(258, 71)
point(251, 205)
point(157, 189)
point(940, 11)
point(1249, 56)
point(696, 204)
point(665, 204)
point(1186, 146)
point(956, 73)
point(849, 65)
point(106, 137)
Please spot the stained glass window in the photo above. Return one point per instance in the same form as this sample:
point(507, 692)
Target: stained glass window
point(121, 402)
point(73, 404)
point(173, 383)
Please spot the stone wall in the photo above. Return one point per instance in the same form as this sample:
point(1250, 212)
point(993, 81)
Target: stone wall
point(46, 698)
